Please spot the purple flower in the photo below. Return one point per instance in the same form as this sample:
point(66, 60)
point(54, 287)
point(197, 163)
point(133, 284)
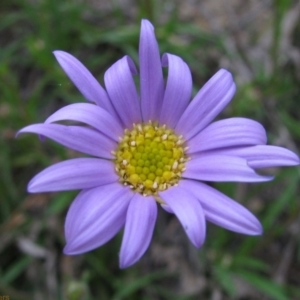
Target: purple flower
point(152, 148)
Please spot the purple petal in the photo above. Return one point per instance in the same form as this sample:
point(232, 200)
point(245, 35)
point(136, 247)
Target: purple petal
point(178, 90)
point(228, 133)
point(84, 80)
point(95, 216)
point(263, 156)
point(140, 221)
point(90, 114)
point(207, 104)
point(121, 89)
point(223, 211)
point(167, 208)
point(73, 174)
point(221, 168)
point(79, 138)
point(189, 212)
point(151, 76)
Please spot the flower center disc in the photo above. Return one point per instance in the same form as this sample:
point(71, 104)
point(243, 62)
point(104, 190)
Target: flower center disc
point(150, 158)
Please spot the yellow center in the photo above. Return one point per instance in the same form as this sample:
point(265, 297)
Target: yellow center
point(150, 158)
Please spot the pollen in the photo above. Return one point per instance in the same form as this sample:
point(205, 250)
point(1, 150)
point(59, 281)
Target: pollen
point(150, 158)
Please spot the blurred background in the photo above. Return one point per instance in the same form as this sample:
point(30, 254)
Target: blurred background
point(258, 41)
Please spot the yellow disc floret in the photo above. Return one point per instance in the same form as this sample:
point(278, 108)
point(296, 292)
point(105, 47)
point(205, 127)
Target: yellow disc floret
point(150, 158)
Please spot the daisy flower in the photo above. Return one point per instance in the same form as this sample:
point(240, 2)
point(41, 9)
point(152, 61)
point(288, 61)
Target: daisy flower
point(153, 148)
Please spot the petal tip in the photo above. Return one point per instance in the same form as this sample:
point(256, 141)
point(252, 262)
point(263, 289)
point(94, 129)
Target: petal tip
point(147, 23)
point(267, 178)
point(63, 57)
point(68, 250)
point(31, 188)
point(58, 53)
point(225, 72)
point(198, 240)
point(18, 133)
point(122, 265)
point(228, 77)
point(254, 227)
point(125, 263)
point(198, 244)
point(71, 249)
point(258, 230)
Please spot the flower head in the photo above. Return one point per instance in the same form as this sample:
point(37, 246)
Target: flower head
point(156, 147)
